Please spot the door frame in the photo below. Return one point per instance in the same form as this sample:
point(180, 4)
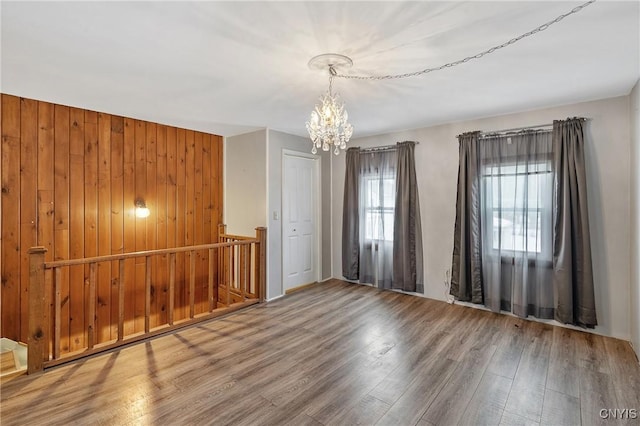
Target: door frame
point(317, 167)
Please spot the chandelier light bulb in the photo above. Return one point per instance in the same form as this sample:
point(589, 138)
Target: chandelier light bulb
point(328, 124)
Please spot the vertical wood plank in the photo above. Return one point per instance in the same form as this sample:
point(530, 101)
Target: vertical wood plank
point(91, 320)
point(129, 227)
point(11, 281)
point(140, 171)
point(28, 201)
point(171, 206)
point(206, 189)
point(76, 228)
point(90, 207)
point(103, 323)
point(172, 285)
point(190, 207)
point(218, 165)
point(206, 217)
point(181, 207)
point(192, 283)
point(121, 293)
point(57, 309)
point(61, 211)
point(150, 197)
point(147, 294)
point(161, 224)
point(116, 218)
point(1, 245)
point(46, 208)
point(216, 191)
point(198, 222)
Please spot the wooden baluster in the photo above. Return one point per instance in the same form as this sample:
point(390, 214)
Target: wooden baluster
point(243, 271)
point(192, 283)
point(37, 337)
point(221, 274)
point(91, 321)
point(232, 266)
point(212, 302)
point(230, 276)
point(57, 308)
point(261, 282)
point(121, 285)
point(247, 269)
point(147, 294)
point(256, 269)
point(222, 229)
point(172, 285)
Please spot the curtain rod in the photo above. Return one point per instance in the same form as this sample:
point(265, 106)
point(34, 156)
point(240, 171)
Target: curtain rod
point(381, 148)
point(518, 129)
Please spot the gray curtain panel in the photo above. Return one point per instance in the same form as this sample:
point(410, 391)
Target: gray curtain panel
point(516, 226)
point(466, 268)
point(351, 216)
point(407, 231)
point(377, 197)
point(572, 270)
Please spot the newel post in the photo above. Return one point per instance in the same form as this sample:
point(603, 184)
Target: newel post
point(36, 340)
point(261, 236)
point(222, 229)
point(220, 276)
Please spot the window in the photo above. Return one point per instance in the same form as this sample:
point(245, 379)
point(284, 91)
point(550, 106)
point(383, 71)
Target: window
point(518, 207)
point(379, 204)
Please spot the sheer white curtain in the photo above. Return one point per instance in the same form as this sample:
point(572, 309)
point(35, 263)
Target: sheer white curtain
point(516, 183)
point(377, 197)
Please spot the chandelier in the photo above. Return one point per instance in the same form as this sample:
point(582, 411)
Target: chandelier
point(328, 124)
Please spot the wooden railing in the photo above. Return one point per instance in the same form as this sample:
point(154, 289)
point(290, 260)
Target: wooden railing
point(236, 278)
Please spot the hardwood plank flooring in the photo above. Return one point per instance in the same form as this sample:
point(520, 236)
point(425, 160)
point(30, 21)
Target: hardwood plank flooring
point(341, 354)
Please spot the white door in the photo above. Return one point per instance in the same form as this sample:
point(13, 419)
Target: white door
point(299, 211)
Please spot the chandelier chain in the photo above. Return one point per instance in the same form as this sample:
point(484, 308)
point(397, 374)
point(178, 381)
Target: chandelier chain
point(468, 58)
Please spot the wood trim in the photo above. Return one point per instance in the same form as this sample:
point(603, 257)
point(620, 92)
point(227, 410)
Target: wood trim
point(112, 257)
point(300, 287)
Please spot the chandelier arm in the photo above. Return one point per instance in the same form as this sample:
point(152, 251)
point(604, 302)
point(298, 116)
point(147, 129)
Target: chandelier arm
point(468, 58)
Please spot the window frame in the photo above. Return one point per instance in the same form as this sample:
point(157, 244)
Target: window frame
point(546, 222)
point(379, 210)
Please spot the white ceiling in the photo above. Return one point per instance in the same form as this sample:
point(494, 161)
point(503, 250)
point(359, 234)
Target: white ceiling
point(232, 67)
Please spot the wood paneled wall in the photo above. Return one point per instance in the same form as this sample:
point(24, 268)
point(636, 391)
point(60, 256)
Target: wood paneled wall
point(70, 178)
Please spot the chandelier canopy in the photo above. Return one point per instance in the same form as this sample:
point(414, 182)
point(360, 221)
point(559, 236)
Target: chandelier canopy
point(328, 124)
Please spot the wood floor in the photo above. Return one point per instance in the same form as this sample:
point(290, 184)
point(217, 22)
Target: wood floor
point(340, 354)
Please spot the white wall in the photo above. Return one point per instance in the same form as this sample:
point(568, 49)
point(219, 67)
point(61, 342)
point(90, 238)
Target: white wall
point(245, 183)
point(634, 113)
point(608, 179)
point(253, 193)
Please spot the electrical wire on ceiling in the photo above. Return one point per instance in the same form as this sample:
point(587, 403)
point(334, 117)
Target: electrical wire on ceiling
point(469, 58)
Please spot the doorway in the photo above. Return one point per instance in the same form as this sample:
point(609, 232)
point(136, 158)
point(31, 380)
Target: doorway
point(300, 206)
